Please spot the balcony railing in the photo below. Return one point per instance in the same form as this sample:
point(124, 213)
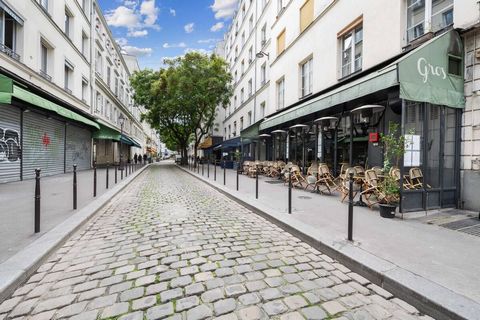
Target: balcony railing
point(9, 52)
point(45, 75)
point(67, 90)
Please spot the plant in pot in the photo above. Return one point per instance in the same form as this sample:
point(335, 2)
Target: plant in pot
point(389, 187)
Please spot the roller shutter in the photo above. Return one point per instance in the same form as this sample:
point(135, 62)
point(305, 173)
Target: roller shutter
point(79, 148)
point(10, 144)
point(43, 144)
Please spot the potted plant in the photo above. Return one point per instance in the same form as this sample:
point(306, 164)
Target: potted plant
point(236, 158)
point(389, 187)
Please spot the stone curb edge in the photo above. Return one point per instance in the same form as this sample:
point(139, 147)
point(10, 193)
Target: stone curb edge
point(16, 270)
point(425, 295)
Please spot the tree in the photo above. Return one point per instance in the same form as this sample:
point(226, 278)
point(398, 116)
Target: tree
point(181, 98)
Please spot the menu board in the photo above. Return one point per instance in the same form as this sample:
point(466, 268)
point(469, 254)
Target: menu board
point(412, 151)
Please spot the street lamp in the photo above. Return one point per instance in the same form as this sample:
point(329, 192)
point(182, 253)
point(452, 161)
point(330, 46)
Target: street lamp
point(275, 147)
point(263, 138)
point(262, 54)
point(327, 125)
point(300, 129)
point(121, 118)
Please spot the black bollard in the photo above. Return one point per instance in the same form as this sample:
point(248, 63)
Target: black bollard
point(126, 170)
point(256, 183)
point(198, 168)
point(106, 177)
point(202, 169)
point(94, 179)
point(74, 187)
point(350, 207)
point(121, 172)
point(215, 170)
point(237, 179)
point(290, 191)
point(224, 173)
point(116, 173)
point(208, 168)
point(37, 200)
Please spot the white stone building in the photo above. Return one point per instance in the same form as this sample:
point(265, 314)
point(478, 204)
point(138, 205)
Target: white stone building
point(328, 57)
point(64, 89)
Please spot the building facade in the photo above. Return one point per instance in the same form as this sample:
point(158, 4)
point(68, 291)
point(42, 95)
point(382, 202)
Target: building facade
point(64, 89)
point(325, 58)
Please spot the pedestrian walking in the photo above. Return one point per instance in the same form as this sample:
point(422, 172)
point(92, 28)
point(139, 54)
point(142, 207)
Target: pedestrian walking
point(145, 158)
point(135, 158)
point(139, 158)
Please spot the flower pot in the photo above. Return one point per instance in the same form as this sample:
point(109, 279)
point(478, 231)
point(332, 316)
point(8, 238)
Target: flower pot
point(388, 210)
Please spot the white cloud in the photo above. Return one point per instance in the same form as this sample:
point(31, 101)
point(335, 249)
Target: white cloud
point(203, 51)
point(132, 50)
point(217, 27)
point(148, 9)
point(130, 3)
point(203, 41)
point(173, 12)
point(122, 17)
point(224, 9)
point(136, 51)
point(189, 27)
point(137, 33)
point(167, 45)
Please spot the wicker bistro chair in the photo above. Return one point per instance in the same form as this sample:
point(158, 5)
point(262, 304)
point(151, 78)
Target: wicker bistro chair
point(312, 176)
point(416, 179)
point(371, 192)
point(344, 186)
point(325, 181)
point(378, 171)
point(298, 180)
point(286, 172)
point(395, 173)
point(246, 167)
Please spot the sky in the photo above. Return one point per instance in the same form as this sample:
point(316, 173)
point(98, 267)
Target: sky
point(157, 29)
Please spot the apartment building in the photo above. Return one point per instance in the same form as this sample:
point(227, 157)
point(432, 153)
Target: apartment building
point(63, 81)
point(402, 62)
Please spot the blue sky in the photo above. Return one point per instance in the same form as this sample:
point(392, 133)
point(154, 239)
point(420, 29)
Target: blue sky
point(154, 29)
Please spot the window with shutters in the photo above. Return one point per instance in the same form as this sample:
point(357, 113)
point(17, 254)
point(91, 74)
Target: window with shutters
point(281, 42)
point(306, 14)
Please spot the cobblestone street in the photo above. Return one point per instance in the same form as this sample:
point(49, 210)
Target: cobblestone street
point(169, 246)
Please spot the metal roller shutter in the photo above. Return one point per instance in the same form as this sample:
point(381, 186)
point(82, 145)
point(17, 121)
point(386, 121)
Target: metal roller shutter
point(10, 143)
point(43, 144)
point(79, 148)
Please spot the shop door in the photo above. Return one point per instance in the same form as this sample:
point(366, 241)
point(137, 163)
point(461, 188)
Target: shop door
point(78, 148)
point(43, 145)
point(10, 144)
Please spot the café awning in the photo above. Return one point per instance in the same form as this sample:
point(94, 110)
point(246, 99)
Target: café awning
point(9, 90)
point(431, 73)
point(251, 132)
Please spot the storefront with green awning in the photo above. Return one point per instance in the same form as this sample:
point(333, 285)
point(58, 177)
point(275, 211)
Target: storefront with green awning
point(36, 132)
point(422, 91)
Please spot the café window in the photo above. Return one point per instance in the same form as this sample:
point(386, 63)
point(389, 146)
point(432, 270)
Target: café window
point(454, 65)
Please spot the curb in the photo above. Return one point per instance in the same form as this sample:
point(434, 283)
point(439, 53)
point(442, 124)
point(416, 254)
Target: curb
point(425, 295)
point(18, 268)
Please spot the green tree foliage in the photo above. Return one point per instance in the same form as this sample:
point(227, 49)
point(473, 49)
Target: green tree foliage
point(182, 98)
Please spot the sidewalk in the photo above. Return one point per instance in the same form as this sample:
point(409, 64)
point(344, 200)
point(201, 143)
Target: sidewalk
point(440, 264)
point(17, 203)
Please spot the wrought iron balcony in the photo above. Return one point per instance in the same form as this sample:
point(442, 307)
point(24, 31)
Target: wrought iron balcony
point(9, 52)
point(45, 75)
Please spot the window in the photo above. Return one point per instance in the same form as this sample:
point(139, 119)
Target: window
point(98, 63)
point(84, 44)
point(84, 90)
point(242, 69)
point(250, 88)
point(85, 6)
point(234, 128)
point(419, 21)
point(263, 73)
point(249, 118)
point(98, 101)
point(236, 75)
point(242, 95)
point(279, 6)
point(44, 63)
point(281, 42)
point(109, 75)
point(281, 93)
point(263, 35)
point(116, 86)
point(225, 136)
point(306, 15)
point(250, 55)
point(235, 102)
point(68, 75)
point(241, 123)
point(229, 131)
point(352, 51)
point(243, 38)
point(44, 4)
point(250, 24)
point(306, 75)
point(68, 23)
point(262, 110)
point(8, 35)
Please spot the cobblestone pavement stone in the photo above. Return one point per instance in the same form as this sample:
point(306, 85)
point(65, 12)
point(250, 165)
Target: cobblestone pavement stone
point(171, 247)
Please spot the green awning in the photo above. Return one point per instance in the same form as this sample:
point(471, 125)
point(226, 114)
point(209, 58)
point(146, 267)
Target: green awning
point(8, 90)
point(424, 74)
point(127, 140)
point(106, 133)
point(251, 132)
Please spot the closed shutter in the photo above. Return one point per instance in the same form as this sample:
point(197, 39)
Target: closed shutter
point(79, 148)
point(281, 42)
point(306, 15)
point(43, 144)
point(10, 145)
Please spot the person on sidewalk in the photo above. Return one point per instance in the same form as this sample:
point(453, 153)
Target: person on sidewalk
point(135, 158)
point(139, 158)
